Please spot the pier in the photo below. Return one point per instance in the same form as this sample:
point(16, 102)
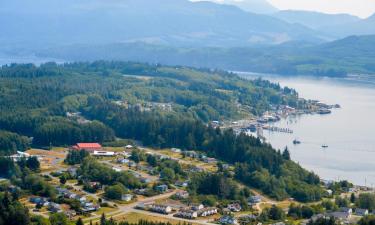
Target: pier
point(278, 129)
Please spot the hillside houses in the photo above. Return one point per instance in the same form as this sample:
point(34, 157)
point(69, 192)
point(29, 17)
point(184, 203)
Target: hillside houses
point(235, 207)
point(187, 214)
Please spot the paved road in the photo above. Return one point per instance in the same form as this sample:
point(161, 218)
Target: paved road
point(123, 209)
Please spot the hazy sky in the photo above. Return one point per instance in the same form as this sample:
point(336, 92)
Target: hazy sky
point(362, 8)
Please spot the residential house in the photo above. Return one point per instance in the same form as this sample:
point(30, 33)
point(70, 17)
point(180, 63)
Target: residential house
point(132, 164)
point(230, 220)
point(123, 161)
point(187, 214)
point(176, 150)
point(162, 188)
point(39, 201)
point(361, 212)
point(145, 180)
point(126, 197)
point(197, 207)
point(181, 183)
point(70, 214)
point(210, 160)
point(95, 185)
point(140, 191)
point(129, 147)
point(254, 199)
point(207, 212)
point(103, 153)
point(117, 169)
point(182, 194)
point(19, 155)
point(164, 209)
point(89, 207)
point(346, 210)
point(191, 154)
point(53, 207)
point(235, 207)
point(343, 216)
point(126, 154)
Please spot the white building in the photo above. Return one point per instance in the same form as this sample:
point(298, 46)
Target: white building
point(126, 197)
point(103, 153)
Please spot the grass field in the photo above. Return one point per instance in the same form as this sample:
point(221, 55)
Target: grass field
point(134, 217)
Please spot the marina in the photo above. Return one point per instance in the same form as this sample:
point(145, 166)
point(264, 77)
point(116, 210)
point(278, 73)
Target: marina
point(347, 132)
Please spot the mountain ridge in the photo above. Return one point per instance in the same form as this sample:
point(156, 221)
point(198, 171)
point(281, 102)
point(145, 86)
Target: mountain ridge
point(194, 24)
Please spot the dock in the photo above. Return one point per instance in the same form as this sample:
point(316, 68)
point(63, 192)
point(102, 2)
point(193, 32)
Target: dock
point(278, 129)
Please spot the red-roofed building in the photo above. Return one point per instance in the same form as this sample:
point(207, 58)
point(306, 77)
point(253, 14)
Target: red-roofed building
point(90, 147)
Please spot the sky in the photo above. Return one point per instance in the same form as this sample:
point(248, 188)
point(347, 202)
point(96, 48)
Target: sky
point(361, 8)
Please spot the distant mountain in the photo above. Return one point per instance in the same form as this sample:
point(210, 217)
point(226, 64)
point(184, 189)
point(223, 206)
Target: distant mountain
point(315, 20)
point(41, 23)
point(355, 54)
point(254, 6)
point(361, 27)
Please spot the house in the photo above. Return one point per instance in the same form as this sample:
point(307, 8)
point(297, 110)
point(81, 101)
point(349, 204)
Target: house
point(132, 164)
point(207, 212)
point(62, 191)
point(129, 147)
point(95, 185)
point(210, 160)
point(90, 147)
point(70, 214)
point(126, 154)
point(19, 155)
point(228, 220)
point(123, 161)
point(191, 154)
point(248, 218)
point(176, 150)
point(361, 212)
point(80, 198)
point(182, 194)
point(254, 199)
point(344, 216)
point(126, 197)
point(187, 214)
point(235, 207)
point(164, 209)
point(53, 207)
point(140, 191)
point(103, 153)
point(89, 207)
point(145, 180)
point(346, 210)
point(162, 188)
point(278, 223)
point(38, 201)
point(117, 169)
point(197, 207)
point(181, 183)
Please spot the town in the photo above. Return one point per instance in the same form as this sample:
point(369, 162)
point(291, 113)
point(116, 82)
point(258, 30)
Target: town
point(160, 192)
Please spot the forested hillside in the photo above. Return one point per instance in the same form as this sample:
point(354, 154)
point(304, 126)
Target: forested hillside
point(35, 100)
point(160, 106)
point(353, 54)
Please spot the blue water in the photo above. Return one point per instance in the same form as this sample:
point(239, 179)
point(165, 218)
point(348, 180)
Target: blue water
point(349, 132)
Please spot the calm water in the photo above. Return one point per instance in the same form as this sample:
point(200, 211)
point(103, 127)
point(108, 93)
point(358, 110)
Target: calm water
point(349, 132)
